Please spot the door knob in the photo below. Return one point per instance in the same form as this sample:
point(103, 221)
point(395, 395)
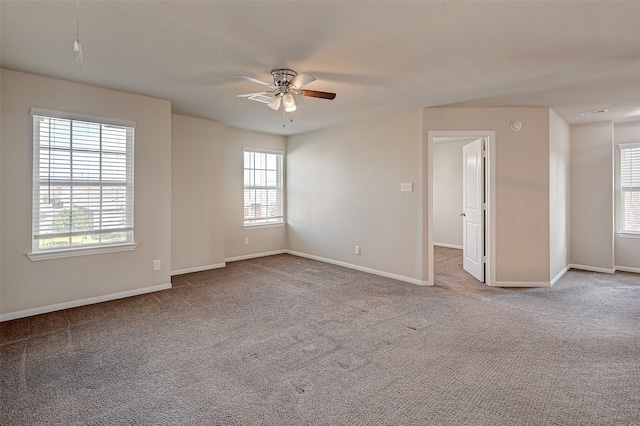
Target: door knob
point(462, 214)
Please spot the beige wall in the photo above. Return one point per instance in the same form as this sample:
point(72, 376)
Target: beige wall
point(343, 187)
point(1, 191)
point(627, 250)
point(592, 196)
point(261, 239)
point(197, 194)
point(559, 201)
point(447, 193)
point(522, 185)
point(27, 285)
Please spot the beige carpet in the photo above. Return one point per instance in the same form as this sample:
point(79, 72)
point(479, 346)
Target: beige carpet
point(286, 340)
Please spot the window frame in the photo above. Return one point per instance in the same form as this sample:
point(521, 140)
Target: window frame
point(622, 230)
point(279, 221)
point(38, 253)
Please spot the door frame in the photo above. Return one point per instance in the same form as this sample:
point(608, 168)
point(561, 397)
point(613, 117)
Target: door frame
point(489, 190)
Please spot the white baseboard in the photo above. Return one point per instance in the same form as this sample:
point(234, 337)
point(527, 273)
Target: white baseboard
point(360, 268)
point(107, 297)
point(198, 269)
point(628, 269)
point(605, 270)
point(521, 284)
point(82, 302)
point(592, 268)
point(445, 245)
point(560, 275)
point(253, 256)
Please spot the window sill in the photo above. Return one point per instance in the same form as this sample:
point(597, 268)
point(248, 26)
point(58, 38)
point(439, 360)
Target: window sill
point(628, 235)
point(84, 251)
point(263, 226)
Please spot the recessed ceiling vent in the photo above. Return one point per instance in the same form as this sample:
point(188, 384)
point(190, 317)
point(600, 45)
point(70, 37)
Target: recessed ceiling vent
point(594, 112)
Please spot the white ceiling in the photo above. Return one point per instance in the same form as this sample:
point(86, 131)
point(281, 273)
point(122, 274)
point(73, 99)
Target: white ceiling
point(377, 56)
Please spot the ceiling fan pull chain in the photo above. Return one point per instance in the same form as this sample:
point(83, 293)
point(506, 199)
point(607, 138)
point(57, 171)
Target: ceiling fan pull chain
point(284, 117)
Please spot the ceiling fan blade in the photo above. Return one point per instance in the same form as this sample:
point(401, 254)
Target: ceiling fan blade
point(316, 94)
point(255, 80)
point(301, 80)
point(274, 103)
point(248, 95)
point(264, 97)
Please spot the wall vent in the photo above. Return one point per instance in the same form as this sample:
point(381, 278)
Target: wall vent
point(594, 112)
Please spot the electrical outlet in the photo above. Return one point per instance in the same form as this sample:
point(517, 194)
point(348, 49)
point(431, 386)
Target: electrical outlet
point(246, 241)
point(357, 249)
point(157, 265)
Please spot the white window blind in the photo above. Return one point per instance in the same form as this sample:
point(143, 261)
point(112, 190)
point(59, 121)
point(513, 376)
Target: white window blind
point(630, 187)
point(263, 183)
point(82, 182)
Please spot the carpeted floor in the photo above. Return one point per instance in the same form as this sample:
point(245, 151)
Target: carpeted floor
point(287, 340)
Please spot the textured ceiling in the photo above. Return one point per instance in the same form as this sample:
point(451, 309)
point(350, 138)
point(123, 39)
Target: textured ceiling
point(377, 56)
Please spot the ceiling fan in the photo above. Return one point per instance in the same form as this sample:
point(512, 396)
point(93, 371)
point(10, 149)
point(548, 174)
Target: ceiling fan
point(286, 84)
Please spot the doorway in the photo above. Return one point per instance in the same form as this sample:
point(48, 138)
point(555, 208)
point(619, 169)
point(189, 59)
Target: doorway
point(458, 221)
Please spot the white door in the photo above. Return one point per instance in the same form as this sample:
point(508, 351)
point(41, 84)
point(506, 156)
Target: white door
point(473, 210)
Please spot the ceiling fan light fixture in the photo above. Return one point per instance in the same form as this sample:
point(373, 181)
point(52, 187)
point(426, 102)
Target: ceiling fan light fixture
point(286, 85)
point(274, 103)
point(289, 102)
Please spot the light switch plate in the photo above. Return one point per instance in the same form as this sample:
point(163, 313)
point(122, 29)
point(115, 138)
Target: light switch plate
point(406, 187)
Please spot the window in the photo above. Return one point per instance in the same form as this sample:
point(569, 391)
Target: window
point(630, 188)
point(263, 195)
point(82, 182)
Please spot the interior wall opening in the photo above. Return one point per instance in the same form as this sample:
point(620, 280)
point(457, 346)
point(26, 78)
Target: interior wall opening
point(458, 205)
point(448, 210)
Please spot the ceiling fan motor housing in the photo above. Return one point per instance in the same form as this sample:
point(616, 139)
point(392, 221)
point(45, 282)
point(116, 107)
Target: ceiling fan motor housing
point(282, 77)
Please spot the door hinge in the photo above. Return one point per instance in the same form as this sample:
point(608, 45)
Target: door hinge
point(484, 153)
point(484, 206)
